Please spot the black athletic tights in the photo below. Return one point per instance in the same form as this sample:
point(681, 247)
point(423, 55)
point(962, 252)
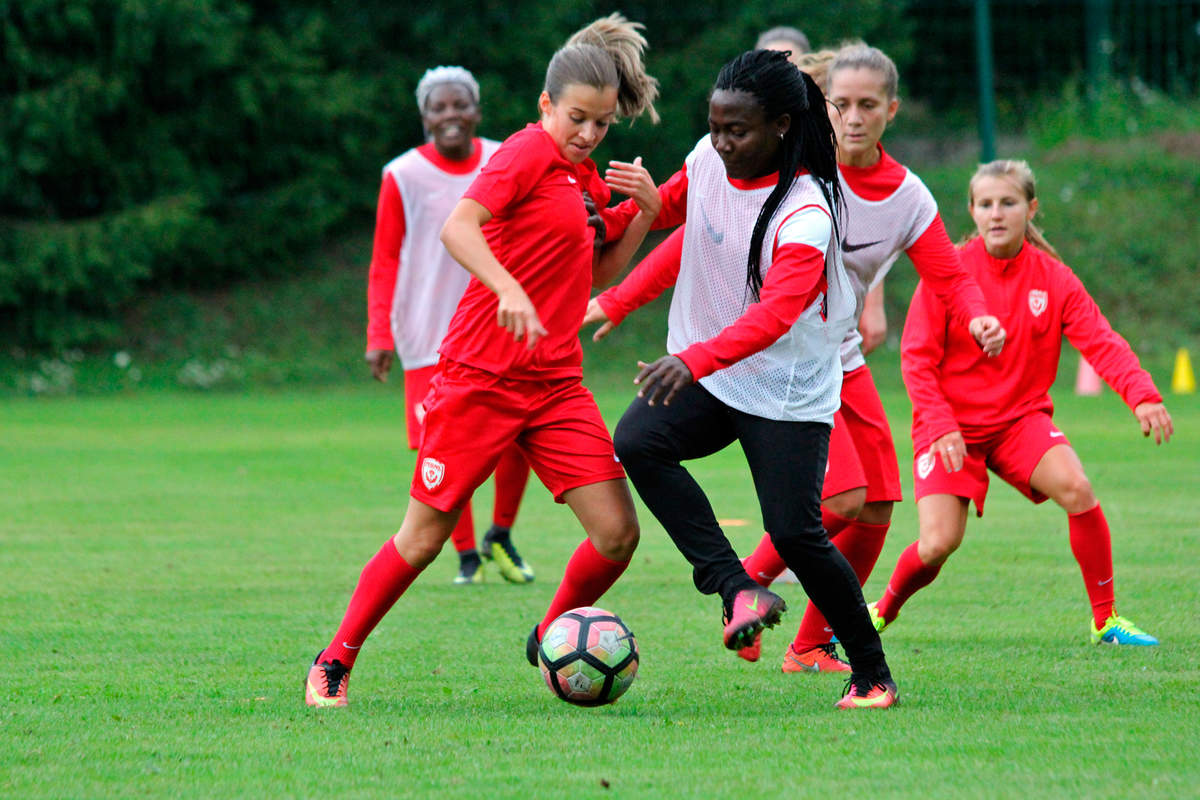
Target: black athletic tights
point(787, 463)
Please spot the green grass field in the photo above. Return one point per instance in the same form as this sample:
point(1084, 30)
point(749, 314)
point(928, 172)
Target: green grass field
point(172, 561)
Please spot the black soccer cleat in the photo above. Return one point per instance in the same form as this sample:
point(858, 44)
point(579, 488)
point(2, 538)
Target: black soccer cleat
point(531, 647)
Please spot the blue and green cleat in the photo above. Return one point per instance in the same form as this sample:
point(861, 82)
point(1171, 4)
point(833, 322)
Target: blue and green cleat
point(1119, 630)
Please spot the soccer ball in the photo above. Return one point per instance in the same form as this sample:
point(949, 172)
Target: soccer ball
point(588, 657)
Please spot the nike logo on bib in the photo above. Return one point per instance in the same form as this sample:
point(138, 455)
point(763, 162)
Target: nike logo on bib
point(712, 232)
point(850, 248)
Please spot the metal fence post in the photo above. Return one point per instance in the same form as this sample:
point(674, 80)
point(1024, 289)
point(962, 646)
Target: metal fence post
point(1099, 45)
point(987, 97)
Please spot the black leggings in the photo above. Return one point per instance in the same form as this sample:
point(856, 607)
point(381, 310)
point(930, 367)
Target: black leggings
point(787, 463)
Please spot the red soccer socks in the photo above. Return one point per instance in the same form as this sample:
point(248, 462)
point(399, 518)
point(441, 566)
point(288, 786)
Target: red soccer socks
point(383, 580)
point(1091, 544)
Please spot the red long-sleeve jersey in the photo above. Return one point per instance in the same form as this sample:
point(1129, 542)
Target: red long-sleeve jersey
point(1038, 299)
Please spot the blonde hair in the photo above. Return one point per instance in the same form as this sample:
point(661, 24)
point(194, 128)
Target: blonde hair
point(606, 53)
point(817, 66)
point(1021, 175)
point(859, 55)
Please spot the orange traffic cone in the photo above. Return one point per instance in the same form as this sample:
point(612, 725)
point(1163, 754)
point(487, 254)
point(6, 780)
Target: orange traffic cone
point(1183, 380)
point(1087, 382)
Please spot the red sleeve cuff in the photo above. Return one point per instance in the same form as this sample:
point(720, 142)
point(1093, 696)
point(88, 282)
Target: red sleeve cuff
point(614, 310)
point(700, 363)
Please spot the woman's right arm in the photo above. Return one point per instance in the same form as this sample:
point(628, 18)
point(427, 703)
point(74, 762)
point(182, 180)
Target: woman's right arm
point(922, 348)
point(656, 272)
point(382, 276)
point(463, 238)
point(937, 262)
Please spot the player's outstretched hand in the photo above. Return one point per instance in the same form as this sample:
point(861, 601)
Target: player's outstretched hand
point(989, 333)
point(662, 379)
point(595, 313)
point(635, 181)
point(516, 314)
point(951, 449)
point(1155, 419)
point(381, 363)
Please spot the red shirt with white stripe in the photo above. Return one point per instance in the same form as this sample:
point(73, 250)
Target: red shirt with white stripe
point(1038, 299)
point(539, 233)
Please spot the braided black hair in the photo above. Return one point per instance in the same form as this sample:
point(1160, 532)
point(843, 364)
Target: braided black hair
point(809, 143)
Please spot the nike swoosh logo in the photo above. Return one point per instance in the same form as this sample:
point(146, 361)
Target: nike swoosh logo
point(716, 237)
point(753, 606)
point(1102, 583)
point(765, 576)
point(850, 248)
point(350, 647)
point(320, 699)
point(1055, 434)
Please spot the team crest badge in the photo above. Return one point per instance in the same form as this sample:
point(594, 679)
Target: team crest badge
point(432, 472)
point(925, 465)
point(1037, 301)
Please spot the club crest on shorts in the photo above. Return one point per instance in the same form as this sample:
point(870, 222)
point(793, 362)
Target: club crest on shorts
point(432, 472)
point(1037, 301)
point(925, 465)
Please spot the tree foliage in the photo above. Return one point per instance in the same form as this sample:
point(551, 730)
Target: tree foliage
point(190, 143)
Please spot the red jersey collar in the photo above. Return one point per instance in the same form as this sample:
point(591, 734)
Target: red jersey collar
point(998, 264)
point(467, 165)
point(748, 184)
point(878, 181)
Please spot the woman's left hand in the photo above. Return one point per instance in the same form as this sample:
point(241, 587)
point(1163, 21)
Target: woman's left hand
point(664, 378)
point(989, 333)
point(952, 450)
point(1155, 419)
point(635, 181)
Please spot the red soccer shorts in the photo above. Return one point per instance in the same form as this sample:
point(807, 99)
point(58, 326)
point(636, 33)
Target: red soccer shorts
point(861, 452)
point(416, 386)
point(1012, 454)
point(472, 416)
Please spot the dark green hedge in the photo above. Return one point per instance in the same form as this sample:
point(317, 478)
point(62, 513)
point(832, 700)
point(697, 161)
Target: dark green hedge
point(191, 143)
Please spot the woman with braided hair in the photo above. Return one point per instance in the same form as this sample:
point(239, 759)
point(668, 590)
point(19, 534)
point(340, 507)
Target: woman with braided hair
point(761, 303)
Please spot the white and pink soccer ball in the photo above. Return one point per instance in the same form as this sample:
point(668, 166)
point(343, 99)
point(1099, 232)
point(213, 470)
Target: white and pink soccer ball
point(588, 656)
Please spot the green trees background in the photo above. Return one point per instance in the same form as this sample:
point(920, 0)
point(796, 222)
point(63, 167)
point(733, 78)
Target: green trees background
point(188, 143)
point(192, 144)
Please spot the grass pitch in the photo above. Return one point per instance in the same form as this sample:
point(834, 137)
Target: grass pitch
point(171, 563)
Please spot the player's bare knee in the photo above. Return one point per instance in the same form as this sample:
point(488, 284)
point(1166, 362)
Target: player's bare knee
point(1076, 495)
point(618, 538)
point(936, 547)
point(847, 505)
point(876, 513)
point(419, 545)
